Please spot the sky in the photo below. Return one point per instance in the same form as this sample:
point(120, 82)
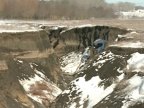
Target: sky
point(137, 2)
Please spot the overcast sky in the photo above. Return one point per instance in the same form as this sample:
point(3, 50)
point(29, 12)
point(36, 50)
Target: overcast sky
point(137, 2)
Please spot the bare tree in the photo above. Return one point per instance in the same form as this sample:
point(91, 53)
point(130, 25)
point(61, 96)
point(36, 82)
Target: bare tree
point(123, 6)
point(55, 9)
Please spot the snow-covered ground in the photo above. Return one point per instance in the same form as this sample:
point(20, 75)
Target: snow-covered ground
point(130, 44)
point(132, 14)
point(39, 88)
point(90, 91)
point(135, 91)
point(70, 62)
point(128, 35)
point(136, 62)
point(18, 26)
point(129, 40)
point(35, 25)
point(77, 26)
point(103, 58)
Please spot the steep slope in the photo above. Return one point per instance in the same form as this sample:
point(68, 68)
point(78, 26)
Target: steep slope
point(108, 81)
point(36, 66)
point(29, 70)
point(77, 38)
point(93, 82)
point(129, 92)
point(113, 79)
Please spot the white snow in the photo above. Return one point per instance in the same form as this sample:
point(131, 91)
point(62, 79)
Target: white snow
point(131, 14)
point(120, 71)
point(134, 32)
point(80, 26)
point(27, 84)
point(85, 25)
point(92, 91)
point(73, 105)
point(30, 85)
point(71, 62)
point(56, 27)
point(104, 57)
point(134, 89)
point(121, 36)
point(66, 91)
point(128, 35)
point(136, 62)
point(137, 44)
point(14, 26)
point(20, 61)
point(121, 77)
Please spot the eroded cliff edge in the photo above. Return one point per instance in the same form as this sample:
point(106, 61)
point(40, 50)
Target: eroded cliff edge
point(42, 50)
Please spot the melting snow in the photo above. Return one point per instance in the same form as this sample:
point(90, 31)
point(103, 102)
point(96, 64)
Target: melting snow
point(92, 91)
point(103, 58)
point(17, 26)
point(134, 13)
point(88, 91)
point(137, 44)
point(134, 89)
point(47, 90)
point(73, 105)
point(80, 26)
point(121, 77)
point(85, 25)
point(71, 62)
point(136, 62)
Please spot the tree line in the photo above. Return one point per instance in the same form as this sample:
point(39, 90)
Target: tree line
point(55, 9)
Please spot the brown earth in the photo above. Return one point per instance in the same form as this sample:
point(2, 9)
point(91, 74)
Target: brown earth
point(45, 47)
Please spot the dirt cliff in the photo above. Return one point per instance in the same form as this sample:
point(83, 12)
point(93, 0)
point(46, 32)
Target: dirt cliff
point(43, 48)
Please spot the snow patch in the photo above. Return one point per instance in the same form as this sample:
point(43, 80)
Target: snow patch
point(14, 26)
point(137, 44)
point(136, 62)
point(39, 88)
point(121, 77)
point(92, 91)
point(71, 62)
point(103, 58)
point(135, 88)
point(73, 105)
point(85, 25)
point(131, 14)
point(80, 26)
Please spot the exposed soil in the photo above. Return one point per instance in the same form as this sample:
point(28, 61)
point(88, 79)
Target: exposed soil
point(44, 48)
